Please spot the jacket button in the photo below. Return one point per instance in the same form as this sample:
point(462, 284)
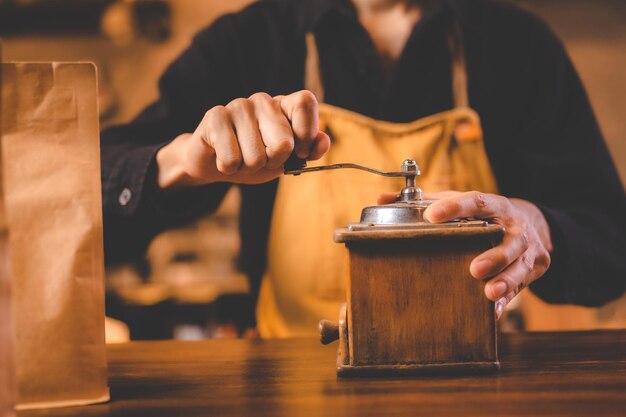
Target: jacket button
point(125, 197)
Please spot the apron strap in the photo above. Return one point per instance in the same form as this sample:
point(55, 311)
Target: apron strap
point(459, 68)
point(312, 69)
point(313, 74)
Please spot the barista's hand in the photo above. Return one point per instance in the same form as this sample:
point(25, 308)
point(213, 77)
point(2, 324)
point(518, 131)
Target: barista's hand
point(246, 141)
point(523, 255)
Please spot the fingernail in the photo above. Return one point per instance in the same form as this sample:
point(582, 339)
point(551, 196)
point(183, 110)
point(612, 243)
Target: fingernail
point(302, 153)
point(435, 214)
point(498, 289)
point(463, 128)
point(481, 268)
point(500, 304)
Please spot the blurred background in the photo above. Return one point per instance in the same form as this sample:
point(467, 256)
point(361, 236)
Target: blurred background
point(188, 286)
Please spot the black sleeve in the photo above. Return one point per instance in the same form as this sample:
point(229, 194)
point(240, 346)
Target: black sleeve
point(205, 75)
point(566, 170)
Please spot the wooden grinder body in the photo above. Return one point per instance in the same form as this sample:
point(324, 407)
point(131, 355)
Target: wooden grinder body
point(412, 305)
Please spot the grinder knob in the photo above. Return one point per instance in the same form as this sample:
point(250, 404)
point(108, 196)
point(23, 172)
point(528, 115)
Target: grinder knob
point(329, 331)
point(411, 192)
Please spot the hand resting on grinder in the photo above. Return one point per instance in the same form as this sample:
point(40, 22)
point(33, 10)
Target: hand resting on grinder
point(247, 141)
point(521, 258)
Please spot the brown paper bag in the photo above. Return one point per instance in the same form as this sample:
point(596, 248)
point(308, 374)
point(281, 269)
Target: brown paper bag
point(7, 382)
point(53, 205)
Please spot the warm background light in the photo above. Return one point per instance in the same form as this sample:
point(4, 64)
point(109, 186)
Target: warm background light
point(130, 64)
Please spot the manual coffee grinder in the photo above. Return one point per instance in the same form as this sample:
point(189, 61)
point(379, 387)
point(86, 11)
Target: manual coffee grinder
point(412, 306)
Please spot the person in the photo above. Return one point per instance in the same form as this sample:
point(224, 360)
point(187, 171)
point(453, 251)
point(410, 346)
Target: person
point(233, 108)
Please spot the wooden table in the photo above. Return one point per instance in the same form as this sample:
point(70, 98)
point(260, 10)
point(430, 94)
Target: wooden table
point(577, 374)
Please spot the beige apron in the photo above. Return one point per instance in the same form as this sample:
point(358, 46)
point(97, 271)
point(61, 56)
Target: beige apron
point(306, 274)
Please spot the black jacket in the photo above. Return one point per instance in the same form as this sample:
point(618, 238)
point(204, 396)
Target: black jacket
point(541, 135)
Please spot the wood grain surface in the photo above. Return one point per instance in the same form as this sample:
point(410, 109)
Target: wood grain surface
point(413, 301)
point(543, 374)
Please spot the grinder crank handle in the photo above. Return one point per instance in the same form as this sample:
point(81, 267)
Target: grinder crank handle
point(297, 166)
point(410, 170)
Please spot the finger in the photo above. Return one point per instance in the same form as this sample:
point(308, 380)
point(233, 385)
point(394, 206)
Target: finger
point(537, 269)
point(470, 204)
point(247, 130)
point(216, 129)
point(513, 279)
point(495, 260)
point(321, 146)
point(301, 109)
point(440, 195)
point(500, 306)
point(275, 130)
point(200, 158)
point(503, 302)
point(388, 198)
